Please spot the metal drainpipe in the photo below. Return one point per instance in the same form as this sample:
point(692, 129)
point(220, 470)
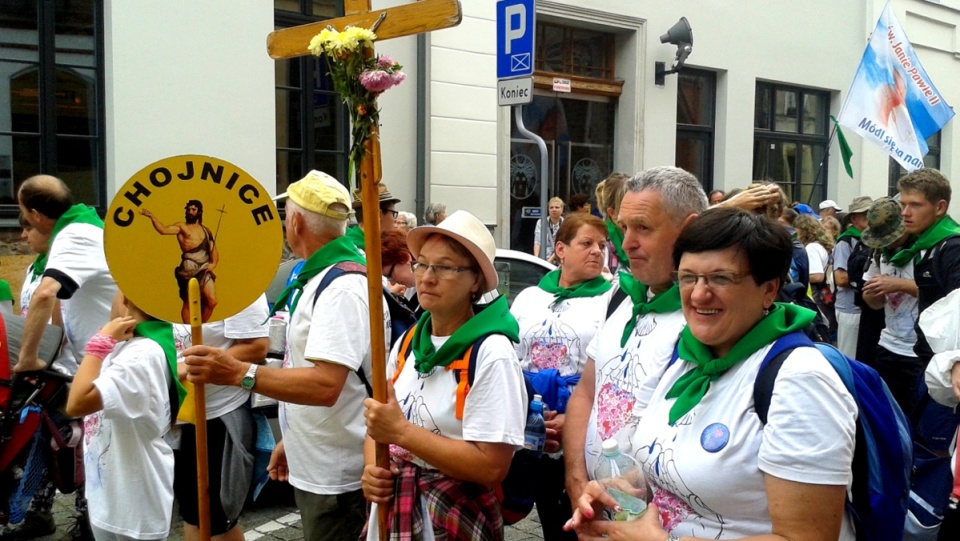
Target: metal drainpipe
point(421, 188)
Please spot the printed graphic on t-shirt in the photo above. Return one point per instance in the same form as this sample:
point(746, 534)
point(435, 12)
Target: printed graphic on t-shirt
point(553, 344)
point(671, 494)
point(619, 380)
point(95, 458)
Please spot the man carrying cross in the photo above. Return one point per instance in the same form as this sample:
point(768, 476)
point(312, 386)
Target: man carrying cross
point(200, 257)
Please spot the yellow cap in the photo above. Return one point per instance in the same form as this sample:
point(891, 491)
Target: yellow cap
point(316, 192)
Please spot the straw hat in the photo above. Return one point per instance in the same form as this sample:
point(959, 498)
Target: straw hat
point(860, 204)
point(384, 196)
point(469, 231)
point(316, 192)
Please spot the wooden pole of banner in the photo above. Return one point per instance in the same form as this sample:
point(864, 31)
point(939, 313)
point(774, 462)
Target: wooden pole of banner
point(404, 20)
point(200, 401)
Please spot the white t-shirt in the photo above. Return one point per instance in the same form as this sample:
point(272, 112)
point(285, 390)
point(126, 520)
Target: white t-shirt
point(707, 471)
point(494, 410)
point(125, 456)
point(64, 363)
point(818, 257)
point(900, 310)
point(324, 445)
point(249, 323)
point(556, 336)
point(76, 256)
point(626, 376)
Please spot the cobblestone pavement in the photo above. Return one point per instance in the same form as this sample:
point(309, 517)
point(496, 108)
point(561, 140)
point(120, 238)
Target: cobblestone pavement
point(273, 517)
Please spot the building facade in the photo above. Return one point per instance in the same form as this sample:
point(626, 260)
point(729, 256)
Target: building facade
point(95, 90)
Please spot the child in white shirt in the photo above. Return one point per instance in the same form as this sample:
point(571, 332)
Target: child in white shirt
point(123, 387)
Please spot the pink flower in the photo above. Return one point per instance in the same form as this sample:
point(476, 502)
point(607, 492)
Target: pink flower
point(385, 62)
point(376, 81)
point(379, 80)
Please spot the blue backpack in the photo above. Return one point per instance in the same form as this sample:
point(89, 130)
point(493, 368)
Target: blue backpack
point(882, 458)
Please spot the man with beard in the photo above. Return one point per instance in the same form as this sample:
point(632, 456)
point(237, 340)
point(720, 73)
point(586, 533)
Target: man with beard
point(200, 257)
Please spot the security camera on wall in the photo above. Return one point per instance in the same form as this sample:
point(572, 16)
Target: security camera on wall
point(681, 35)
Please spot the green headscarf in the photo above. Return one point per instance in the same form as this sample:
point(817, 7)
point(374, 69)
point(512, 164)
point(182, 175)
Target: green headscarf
point(664, 302)
point(331, 253)
point(941, 229)
point(591, 288)
point(692, 386)
point(495, 318)
point(161, 332)
point(5, 293)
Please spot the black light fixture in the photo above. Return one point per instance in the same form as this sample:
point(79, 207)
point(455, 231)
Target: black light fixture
point(680, 35)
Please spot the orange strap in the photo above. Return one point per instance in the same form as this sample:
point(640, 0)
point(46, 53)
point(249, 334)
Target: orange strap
point(404, 349)
point(462, 364)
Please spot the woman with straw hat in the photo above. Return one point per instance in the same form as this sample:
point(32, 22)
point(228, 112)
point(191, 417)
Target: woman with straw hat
point(448, 452)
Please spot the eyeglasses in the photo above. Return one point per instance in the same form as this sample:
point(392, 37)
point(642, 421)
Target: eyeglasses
point(395, 213)
point(401, 222)
point(713, 280)
point(443, 272)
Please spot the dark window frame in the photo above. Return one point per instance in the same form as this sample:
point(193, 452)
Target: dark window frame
point(47, 101)
point(702, 132)
point(306, 89)
point(765, 131)
point(932, 159)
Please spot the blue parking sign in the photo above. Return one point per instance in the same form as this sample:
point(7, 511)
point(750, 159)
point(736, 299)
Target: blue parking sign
point(516, 29)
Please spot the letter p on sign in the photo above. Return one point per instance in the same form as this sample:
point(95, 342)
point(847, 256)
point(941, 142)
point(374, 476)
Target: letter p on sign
point(516, 25)
point(515, 33)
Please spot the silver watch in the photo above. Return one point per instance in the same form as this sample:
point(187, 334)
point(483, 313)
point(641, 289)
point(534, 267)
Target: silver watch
point(250, 378)
point(672, 537)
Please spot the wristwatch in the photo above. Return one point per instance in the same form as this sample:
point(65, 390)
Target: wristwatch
point(672, 537)
point(250, 378)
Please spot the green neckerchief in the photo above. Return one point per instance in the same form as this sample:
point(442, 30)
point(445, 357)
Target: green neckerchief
point(355, 234)
point(616, 237)
point(495, 318)
point(943, 228)
point(5, 293)
point(591, 288)
point(692, 386)
point(39, 265)
point(336, 251)
point(851, 232)
point(161, 332)
point(77, 214)
point(661, 303)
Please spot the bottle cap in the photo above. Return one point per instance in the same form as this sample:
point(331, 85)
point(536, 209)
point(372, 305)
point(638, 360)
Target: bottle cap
point(611, 447)
point(537, 398)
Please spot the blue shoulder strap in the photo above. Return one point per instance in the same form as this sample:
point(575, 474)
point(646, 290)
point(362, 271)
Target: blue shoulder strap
point(338, 270)
point(770, 367)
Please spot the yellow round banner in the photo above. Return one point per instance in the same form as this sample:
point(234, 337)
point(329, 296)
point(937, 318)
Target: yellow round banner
point(192, 217)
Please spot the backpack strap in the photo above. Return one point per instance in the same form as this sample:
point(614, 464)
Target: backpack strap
point(466, 372)
point(770, 367)
point(336, 271)
point(615, 301)
point(404, 349)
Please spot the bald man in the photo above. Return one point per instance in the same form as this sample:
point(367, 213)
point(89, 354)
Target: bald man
point(75, 272)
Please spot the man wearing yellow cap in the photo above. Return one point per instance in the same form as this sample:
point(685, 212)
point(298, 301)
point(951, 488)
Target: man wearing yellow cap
point(322, 384)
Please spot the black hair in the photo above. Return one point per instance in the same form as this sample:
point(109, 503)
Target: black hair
point(765, 243)
point(52, 203)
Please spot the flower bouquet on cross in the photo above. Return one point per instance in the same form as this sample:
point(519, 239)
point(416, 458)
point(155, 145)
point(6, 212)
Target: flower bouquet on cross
point(359, 77)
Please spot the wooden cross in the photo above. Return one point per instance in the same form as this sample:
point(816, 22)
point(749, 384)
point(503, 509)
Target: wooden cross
point(404, 20)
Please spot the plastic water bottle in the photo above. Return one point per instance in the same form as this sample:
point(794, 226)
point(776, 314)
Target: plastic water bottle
point(622, 478)
point(535, 434)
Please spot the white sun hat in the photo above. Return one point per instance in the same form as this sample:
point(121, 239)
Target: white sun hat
point(469, 231)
